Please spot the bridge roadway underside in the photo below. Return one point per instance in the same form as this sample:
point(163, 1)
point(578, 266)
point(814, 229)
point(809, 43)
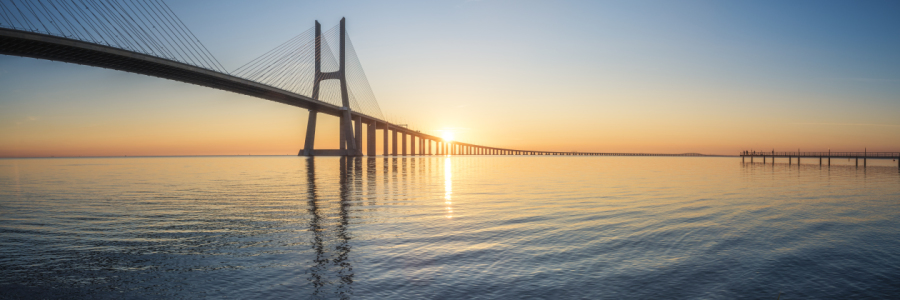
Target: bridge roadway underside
point(41, 46)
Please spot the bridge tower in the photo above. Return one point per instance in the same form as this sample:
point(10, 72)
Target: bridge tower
point(350, 141)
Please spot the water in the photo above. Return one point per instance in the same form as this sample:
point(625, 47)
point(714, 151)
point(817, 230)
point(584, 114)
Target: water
point(439, 227)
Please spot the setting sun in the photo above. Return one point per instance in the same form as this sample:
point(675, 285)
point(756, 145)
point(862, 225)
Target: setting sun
point(447, 136)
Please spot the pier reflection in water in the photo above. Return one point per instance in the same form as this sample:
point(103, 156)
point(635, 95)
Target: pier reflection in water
point(454, 227)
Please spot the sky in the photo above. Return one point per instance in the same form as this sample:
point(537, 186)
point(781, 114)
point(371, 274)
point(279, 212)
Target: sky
point(713, 77)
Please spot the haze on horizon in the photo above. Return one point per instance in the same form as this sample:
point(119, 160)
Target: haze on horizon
point(638, 76)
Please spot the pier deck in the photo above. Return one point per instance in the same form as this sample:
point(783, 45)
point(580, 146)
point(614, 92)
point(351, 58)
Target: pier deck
point(865, 155)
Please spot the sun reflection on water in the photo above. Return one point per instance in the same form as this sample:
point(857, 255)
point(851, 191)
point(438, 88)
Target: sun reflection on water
point(448, 188)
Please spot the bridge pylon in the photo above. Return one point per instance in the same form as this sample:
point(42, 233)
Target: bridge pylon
point(350, 139)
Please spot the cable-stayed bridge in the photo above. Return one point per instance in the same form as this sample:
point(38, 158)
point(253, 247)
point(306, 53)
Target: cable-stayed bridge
point(315, 70)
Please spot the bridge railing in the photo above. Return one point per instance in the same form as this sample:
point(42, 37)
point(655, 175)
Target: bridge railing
point(823, 154)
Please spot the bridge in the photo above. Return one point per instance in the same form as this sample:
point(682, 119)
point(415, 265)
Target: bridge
point(316, 71)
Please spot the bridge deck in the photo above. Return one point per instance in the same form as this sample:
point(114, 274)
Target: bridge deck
point(42, 46)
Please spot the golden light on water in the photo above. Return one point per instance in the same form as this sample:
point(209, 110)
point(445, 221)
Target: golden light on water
point(448, 187)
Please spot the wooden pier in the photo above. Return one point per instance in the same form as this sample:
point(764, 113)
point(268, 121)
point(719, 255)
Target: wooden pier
point(865, 155)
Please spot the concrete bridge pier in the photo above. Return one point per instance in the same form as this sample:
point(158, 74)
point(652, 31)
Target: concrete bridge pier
point(403, 147)
point(309, 143)
point(394, 143)
point(385, 140)
point(370, 138)
point(357, 133)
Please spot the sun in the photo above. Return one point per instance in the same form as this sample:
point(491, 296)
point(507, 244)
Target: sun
point(448, 136)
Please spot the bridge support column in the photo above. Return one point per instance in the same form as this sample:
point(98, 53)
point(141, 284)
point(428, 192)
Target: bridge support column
point(404, 143)
point(370, 141)
point(394, 142)
point(357, 133)
point(413, 144)
point(342, 135)
point(385, 141)
point(348, 140)
point(309, 143)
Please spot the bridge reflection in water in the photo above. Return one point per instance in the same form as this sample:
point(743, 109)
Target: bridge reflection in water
point(331, 271)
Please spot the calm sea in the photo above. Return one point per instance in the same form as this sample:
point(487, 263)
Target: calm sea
point(464, 227)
